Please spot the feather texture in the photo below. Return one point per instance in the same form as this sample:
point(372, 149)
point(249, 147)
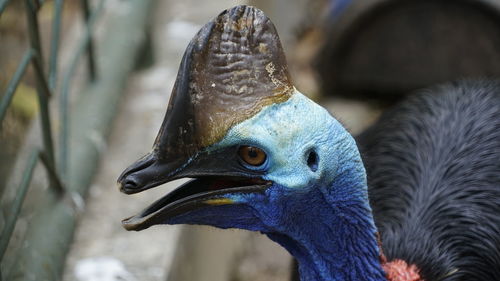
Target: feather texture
point(433, 167)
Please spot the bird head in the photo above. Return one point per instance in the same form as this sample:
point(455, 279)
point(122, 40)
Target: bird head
point(260, 154)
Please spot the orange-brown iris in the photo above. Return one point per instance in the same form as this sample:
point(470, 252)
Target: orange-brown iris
point(252, 155)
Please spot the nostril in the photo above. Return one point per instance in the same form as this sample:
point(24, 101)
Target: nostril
point(129, 185)
point(142, 175)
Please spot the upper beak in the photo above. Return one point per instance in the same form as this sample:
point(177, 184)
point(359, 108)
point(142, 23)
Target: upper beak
point(152, 170)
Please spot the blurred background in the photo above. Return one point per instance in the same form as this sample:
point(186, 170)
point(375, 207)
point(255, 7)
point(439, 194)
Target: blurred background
point(84, 87)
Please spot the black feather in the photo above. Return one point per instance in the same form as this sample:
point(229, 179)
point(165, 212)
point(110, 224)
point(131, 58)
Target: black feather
point(433, 166)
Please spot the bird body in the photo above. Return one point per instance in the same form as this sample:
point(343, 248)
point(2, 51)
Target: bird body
point(433, 166)
point(282, 165)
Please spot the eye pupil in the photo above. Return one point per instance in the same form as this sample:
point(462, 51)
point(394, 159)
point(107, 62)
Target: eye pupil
point(252, 152)
point(252, 155)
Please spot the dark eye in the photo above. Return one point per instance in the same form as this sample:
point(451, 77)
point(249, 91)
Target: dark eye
point(252, 155)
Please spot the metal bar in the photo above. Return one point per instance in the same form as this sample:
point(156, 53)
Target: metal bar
point(18, 202)
point(14, 82)
point(43, 103)
point(52, 172)
point(41, 84)
point(90, 44)
point(54, 47)
point(34, 35)
point(64, 96)
point(41, 81)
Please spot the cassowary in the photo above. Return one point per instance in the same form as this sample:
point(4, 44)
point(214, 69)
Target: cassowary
point(266, 158)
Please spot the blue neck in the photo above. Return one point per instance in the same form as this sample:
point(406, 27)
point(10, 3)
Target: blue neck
point(334, 237)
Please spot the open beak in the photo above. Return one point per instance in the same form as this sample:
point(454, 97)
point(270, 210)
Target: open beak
point(216, 175)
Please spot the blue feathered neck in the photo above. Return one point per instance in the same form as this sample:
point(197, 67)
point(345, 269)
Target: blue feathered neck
point(334, 237)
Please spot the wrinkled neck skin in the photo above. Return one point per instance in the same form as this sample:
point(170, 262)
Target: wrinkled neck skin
point(334, 237)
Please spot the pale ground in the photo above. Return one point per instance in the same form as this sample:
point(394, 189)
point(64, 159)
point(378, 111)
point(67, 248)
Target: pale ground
point(103, 247)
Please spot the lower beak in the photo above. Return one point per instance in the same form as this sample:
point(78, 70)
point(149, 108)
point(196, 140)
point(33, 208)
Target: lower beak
point(195, 194)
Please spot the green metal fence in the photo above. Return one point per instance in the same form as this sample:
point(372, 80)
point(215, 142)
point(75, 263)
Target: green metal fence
point(46, 81)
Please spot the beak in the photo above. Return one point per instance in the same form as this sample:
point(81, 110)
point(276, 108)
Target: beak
point(216, 175)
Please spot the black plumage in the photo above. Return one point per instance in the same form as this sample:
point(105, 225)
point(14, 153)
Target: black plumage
point(433, 167)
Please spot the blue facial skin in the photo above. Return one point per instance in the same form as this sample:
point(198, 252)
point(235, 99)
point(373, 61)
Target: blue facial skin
point(317, 207)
